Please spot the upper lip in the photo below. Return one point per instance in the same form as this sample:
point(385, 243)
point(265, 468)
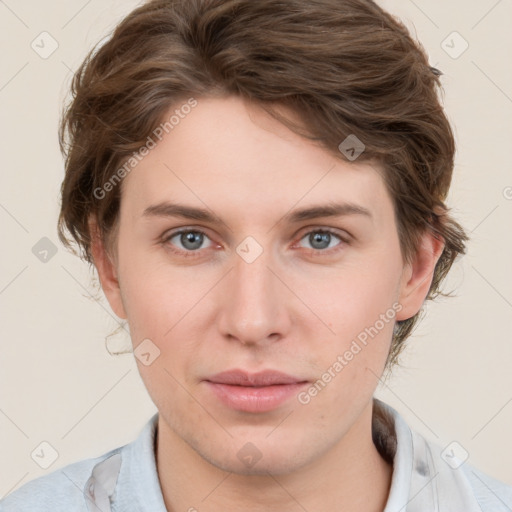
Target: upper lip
point(262, 378)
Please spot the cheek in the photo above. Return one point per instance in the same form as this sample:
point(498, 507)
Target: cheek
point(163, 305)
point(359, 306)
point(155, 295)
point(357, 298)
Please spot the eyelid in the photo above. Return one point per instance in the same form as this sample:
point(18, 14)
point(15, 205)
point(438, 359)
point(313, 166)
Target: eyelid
point(185, 229)
point(342, 234)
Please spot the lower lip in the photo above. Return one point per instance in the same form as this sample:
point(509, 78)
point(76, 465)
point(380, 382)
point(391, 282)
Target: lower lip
point(255, 399)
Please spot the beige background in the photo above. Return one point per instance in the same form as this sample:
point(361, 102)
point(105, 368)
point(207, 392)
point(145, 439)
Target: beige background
point(58, 383)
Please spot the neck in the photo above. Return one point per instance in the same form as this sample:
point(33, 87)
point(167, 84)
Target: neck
point(351, 476)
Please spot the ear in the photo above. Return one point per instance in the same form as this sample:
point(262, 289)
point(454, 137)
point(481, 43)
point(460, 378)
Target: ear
point(418, 274)
point(107, 271)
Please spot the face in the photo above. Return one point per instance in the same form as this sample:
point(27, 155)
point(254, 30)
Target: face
point(228, 260)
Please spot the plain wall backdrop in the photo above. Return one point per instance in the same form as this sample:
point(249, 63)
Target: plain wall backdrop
point(58, 383)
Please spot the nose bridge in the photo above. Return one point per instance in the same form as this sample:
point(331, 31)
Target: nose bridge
point(254, 305)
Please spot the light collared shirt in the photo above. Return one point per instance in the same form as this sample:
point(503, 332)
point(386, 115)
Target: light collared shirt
point(425, 477)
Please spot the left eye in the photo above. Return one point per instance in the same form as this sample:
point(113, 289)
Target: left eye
point(321, 239)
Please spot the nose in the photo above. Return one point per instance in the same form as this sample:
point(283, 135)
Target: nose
point(254, 302)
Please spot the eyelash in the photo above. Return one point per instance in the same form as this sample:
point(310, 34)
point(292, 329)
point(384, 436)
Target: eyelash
point(197, 253)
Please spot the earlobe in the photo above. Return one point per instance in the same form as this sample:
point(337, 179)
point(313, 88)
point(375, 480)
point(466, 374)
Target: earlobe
point(107, 271)
point(418, 274)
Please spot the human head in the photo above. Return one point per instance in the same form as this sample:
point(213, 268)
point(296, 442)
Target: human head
point(343, 67)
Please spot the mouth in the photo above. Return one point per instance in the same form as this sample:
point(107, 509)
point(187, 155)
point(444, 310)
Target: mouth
point(254, 392)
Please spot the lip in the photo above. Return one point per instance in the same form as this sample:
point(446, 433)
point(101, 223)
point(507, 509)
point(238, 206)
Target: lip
point(254, 392)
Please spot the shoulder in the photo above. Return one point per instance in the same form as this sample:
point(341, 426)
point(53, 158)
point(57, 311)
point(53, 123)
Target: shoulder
point(491, 494)
point(122, 476)
point(427, 476)
point(459, 482)
point(62, 490)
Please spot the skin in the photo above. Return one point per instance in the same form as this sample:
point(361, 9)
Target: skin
point(293, 309)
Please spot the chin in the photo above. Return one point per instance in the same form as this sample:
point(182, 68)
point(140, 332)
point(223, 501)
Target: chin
point(249, 460)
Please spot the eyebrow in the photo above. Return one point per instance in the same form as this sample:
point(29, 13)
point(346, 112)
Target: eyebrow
point(332, 209)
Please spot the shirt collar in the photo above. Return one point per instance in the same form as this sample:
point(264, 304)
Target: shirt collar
point(393, 439)
point(422, 479)
point(139, 487)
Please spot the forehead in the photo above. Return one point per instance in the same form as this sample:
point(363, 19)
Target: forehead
point(225, 151)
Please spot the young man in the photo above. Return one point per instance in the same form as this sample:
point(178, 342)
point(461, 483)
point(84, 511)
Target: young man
point(260, 186)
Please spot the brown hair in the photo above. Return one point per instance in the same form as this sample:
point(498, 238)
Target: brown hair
point(345, 67)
